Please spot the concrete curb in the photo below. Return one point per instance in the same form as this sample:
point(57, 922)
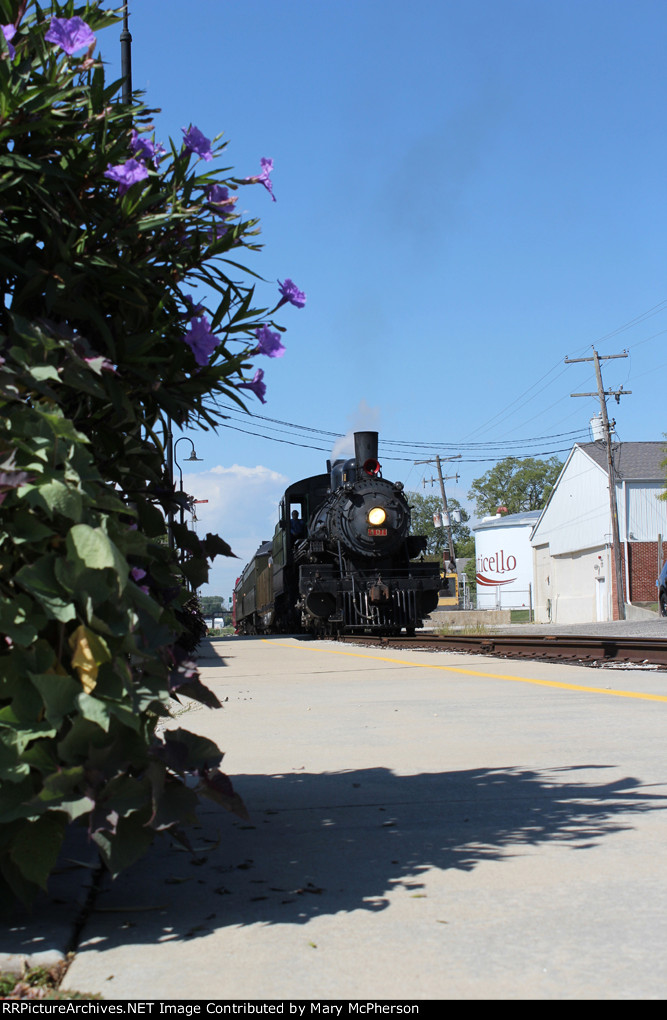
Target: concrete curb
point(45, 934)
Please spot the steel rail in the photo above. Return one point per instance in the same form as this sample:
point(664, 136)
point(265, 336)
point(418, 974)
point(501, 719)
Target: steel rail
point(555, 647)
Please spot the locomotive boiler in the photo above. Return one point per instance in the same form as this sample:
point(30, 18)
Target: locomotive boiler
point(342, 559)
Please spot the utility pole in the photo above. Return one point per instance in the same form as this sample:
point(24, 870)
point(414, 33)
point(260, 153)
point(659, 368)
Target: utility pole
point(438, 461)
point(613, 508)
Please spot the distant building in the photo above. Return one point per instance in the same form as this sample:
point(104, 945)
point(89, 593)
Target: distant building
point(572, 560)
point(504, 560)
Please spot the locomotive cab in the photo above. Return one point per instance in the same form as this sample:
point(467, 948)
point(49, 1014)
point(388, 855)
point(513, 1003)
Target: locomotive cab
point(304, 497)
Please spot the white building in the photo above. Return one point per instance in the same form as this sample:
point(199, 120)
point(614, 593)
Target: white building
point(504, 560)
point(573, 564)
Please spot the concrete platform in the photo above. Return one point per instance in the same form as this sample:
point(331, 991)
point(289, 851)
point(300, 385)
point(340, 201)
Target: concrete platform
point(422, 826)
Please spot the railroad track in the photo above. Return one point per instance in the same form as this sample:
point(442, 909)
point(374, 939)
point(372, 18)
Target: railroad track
point(552, 647)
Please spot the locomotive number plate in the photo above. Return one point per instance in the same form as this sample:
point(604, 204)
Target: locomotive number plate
point(375, 532)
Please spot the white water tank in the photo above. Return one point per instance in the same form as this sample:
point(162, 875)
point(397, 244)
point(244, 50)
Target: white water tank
point(504, 556)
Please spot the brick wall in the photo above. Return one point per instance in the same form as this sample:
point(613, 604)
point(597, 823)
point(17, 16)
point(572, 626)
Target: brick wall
point(644, 569)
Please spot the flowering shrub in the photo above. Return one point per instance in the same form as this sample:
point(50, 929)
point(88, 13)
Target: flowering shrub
point(103, 235)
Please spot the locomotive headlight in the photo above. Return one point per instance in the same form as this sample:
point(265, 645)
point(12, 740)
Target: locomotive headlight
point(377, 516)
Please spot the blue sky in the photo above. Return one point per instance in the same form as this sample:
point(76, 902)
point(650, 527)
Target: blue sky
point(467, 193)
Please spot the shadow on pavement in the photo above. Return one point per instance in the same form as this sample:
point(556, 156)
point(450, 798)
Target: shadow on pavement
point(321, 844)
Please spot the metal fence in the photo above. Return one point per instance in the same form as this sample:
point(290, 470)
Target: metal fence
point(515, 599)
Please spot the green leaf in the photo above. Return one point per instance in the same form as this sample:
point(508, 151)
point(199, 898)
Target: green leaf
point(174, 805)
point(15, 882)
point(34, 850)
point(130, 841)
point(55, 497)
point(58, 694)
point(12, 769)
point(20, 619)
point(23, 733)
point(27, 528)
point(63, 789)
point(87, 587)
point(216, 546)
point(196, 571)
point(187, 751)
point(40, 580)
point(124, 795)
point(216, 785)
point(93, 548)
point(64, 428)
point(94, 710)
point(42, 372)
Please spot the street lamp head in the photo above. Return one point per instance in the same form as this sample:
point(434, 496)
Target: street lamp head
point(193, 455)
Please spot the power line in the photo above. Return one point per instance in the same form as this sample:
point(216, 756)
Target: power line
point(389, 456)
point(258, 435)
point(486, 446)
point(491, 420)
point(490, 451)
point(649, 313)
point(400, 443)
point(632, 322)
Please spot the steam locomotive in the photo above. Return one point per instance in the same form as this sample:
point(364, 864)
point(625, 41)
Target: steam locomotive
point(341, 559)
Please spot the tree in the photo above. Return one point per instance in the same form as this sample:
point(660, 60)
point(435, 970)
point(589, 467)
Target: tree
point(422, 509)
point(518, 485)
point(103, 237)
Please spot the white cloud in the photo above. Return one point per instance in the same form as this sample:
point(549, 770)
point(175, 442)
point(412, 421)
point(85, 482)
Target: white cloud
point(242, 508)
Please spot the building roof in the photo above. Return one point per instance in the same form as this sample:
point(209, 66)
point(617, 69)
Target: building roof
point(631, 460)
point(507, 520)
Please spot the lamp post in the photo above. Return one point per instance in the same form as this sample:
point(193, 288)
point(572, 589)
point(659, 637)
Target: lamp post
point(193, 457)
point(126, 59)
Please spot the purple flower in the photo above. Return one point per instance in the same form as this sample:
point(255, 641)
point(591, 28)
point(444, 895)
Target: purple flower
point(137, 574)
point(217, 194)
point(200, 340)
point(196, 142)
point(263, 178)
point(11, 478)
point(290, 292)
point(145, 149)
point(70, 34)
point(214, 233)
point(269, 343)
point(220, 196)
point(9, 32)
point(126, 174)
point(193, 310)
point(257, 386)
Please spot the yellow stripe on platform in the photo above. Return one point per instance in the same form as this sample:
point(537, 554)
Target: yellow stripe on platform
point(487, 676)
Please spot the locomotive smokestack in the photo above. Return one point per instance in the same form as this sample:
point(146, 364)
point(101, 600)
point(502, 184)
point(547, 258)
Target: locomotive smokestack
point(365, 448)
